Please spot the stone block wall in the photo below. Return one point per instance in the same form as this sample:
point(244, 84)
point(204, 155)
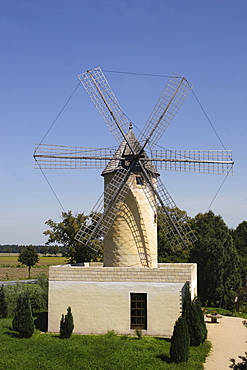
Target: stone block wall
point(100, 296)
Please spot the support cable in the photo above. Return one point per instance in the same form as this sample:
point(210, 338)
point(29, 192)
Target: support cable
point(212, 126)
point(53, 123)
point(218, 190)
point(59, 114)
point(138, 74)
point(53, 191)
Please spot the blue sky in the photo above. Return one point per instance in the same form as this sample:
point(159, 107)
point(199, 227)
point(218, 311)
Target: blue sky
point(46, 44)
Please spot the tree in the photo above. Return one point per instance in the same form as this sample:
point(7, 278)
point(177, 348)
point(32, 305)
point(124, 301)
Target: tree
point(66, 324)
point(3, 303)
point(23, 319)
point(44, 250)
point(54, 249)
point(166, 253)
point(28, 257)
point(180, 341)
point(217, 260)
point(240, 242)
point(64, 233)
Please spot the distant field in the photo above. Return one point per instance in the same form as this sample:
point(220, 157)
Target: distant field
point(11, 269)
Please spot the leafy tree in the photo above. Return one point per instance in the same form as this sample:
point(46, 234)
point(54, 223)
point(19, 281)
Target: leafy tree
point(64, 233)
point(166, 252)
point(180, 341)
point(3, 303)
point(28, 257)
point(66, 324)
point(44, 250)
point(240, 242)
point(217, 260)
point(54, 249)
point(23, 319)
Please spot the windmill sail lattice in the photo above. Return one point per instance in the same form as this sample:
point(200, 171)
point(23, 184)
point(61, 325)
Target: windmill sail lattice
point(132, 183)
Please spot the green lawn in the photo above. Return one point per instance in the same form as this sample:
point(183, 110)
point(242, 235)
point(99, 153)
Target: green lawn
point(105, 352)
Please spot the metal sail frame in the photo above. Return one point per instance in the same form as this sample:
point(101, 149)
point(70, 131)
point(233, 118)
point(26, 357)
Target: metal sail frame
point(106, 209)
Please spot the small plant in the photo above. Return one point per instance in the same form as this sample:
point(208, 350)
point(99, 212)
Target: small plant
point(180, 341)
point(23, 319)
point(241, 365)
point(111, 334)
point(139, 334)
point(66, 324)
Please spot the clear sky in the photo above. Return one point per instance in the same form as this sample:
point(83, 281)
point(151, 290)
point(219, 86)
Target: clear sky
point(45, 44)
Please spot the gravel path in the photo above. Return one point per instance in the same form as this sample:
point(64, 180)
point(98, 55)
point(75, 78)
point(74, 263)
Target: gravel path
point(228, 338)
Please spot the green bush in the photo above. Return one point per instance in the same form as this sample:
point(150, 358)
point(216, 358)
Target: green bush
point(66, 325)
point(180, 341)
point(38, 294)
point(23, 319)
point(3, 303)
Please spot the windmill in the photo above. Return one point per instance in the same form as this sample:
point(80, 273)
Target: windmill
point(126, 213)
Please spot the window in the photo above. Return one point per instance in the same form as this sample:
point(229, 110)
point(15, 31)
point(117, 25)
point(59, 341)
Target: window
point(138, 311)
point(139, 180)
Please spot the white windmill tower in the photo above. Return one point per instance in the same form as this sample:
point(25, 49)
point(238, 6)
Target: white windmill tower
point(126, 213)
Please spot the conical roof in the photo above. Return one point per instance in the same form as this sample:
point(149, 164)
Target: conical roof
point(124, 156)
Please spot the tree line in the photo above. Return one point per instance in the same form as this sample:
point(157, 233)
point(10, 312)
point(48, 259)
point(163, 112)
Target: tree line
point(220, 253)
point(42, 249)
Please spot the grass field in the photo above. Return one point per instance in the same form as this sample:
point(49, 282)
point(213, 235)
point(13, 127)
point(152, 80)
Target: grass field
point(105, 352)
point(11, 269)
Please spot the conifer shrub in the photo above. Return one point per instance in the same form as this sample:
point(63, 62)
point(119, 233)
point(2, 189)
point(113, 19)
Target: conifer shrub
point(180, 341)
point(66, 324)
point(203, 331)
point(192, 311)
point(23, 320)
point(187, 307)
point(3, 303)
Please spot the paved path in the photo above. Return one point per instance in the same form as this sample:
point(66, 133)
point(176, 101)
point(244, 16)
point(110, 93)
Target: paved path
point(14, 282)
point(228, 338)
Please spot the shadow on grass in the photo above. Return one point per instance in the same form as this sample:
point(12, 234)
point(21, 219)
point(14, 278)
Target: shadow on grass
point(168, 340)
point(164, 358)
point(41, 321)
point(12, 334)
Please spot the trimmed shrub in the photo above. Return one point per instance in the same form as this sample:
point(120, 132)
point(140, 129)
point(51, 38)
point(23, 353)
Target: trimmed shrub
point(203, 331)
point(3, 303)
point(66, 325)
point(180, 341)
point(192, 311)
point(23, 319)
point(186, 305)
